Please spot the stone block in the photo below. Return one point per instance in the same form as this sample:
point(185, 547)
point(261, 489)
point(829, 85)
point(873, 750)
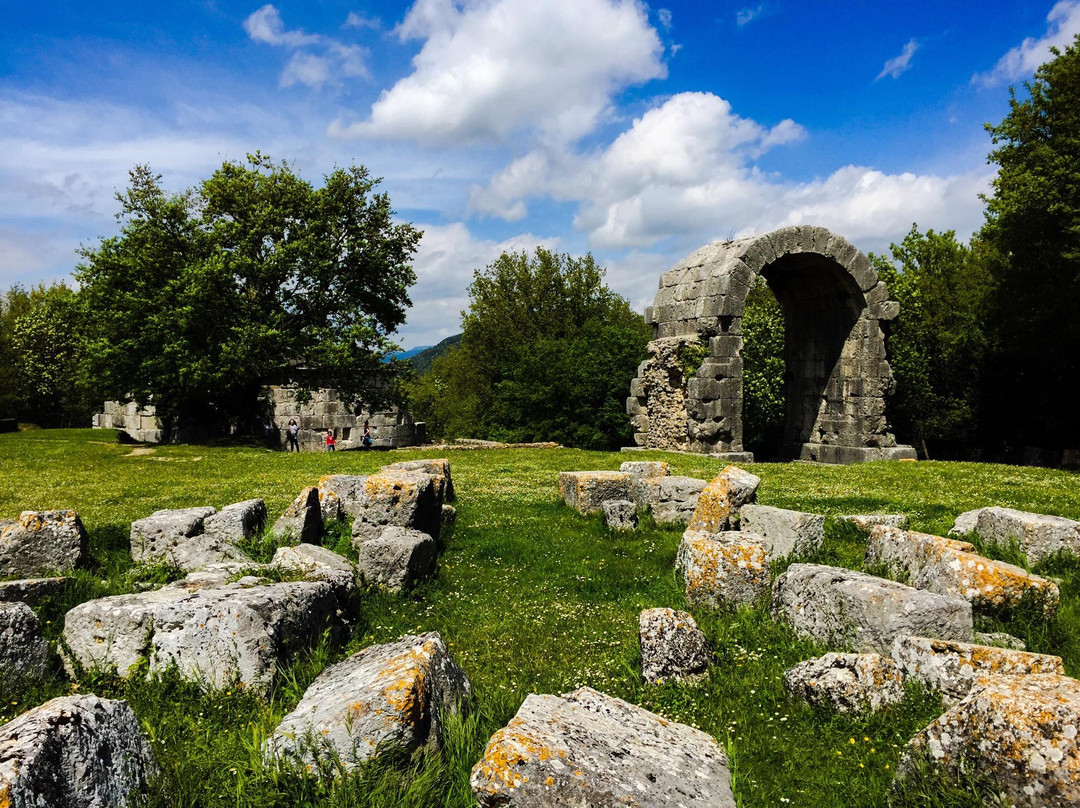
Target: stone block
point(24, 654)
point(646, 468)
point(30, 590)
point(723, 569)
point(865, 522)
point(391, 698)
point(672, 500)
point(176, 537)
point(720, 500)
point(316, 564)
point(302, 520)
point(237, 522)
point(397, 558)
point(585, 491)
point(785, 532)
point(1039, 535)
point(589, 749)
point(620, 514)
point(846, 683)
point(75, 752)
point(347, 489)
point(845, 608)
point(398, 498)
point(438, 468)
point(672, 646)
point(953, 668)
point(42, 542)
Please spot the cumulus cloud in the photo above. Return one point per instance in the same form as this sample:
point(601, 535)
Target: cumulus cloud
point(489, 68)
point(1063, 24)
point(899, 64)
point(316, 59)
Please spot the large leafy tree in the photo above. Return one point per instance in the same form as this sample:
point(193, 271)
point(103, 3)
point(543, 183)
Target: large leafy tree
point(1033, 224)
point(252, 275)
point(547, 353)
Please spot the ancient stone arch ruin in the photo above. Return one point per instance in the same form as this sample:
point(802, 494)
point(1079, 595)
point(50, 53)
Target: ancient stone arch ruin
point(836, 374)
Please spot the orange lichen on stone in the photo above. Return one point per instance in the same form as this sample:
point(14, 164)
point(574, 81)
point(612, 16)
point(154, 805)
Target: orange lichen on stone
point(719, 570)
point(407, 674)
point(509, 748)
point(721, 499)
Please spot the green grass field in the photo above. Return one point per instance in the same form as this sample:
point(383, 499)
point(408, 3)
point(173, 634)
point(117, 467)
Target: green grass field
point(531, 597)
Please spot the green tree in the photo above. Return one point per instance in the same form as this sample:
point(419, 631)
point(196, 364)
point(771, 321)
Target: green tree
point(206, 294)
point(763, 370)
point(1033, 225)
point(547, 353)
point(938, 346)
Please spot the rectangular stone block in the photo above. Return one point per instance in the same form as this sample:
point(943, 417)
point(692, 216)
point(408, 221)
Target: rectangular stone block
point(586, 491)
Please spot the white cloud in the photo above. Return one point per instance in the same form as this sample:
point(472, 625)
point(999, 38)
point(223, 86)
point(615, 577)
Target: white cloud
point(1063, 24)
point(305, 68)
point(492, 67)
point(334, 60)
point(664, 16)
point(354, 20)
point(265, 25)
point(745, 16)
point(899, 64)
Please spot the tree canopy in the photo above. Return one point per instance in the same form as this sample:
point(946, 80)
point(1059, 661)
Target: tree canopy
point(206, 294)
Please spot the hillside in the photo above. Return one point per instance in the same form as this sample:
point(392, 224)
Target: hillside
point(422, 361)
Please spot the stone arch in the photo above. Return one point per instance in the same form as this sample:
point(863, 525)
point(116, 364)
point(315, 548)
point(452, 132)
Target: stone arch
point(836, 372)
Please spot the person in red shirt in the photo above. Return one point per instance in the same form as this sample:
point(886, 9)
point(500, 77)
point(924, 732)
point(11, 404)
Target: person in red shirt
point(331, 441)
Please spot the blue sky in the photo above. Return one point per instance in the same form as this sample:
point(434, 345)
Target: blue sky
point(639, 132)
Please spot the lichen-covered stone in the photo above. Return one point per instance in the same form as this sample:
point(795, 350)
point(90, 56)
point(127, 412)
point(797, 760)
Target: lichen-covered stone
point(345, 491)
point(398, 558)
point(951, 567)
point(620, 514)
point(999, 639)
point(588, 749)
point(847, 683)
point(41, 543)
point(24, 654)
point(965, 523)
point(1020, 731)
point(216, 634)
point(720, 500)
point(1039, 535)
point(31, 590)
point(866, 522)
point(723, 569)
point(953, 668)
point(671, 499)
point(316, 564)
point(176, 537)
point(438, 468)
point(586, 491)
point(398, 498)
point(845, 608)
point(672, 646)
point(384, 699)
point(237, 522)
point(74, 752)
point(786, 532)
point(302, 520)
point(646, 468)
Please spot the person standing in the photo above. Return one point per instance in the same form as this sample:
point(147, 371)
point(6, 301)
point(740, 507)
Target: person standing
point(366, 439)
point(293, 436)
point(331, 441)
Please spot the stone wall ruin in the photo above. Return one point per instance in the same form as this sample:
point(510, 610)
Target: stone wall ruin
point(836, 374)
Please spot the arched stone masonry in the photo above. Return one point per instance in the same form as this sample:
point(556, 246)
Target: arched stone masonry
point(836, 374)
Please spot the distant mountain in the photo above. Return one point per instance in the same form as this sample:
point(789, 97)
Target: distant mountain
point(423, 358)
point(409, 354)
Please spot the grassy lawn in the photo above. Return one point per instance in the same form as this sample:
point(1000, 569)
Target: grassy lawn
point(531, 597)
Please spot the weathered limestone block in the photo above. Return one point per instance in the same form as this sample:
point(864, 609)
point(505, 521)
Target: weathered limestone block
point(24, 654)
point(316, 564)
point(646, 468)
point(439, 468)
point(785, 531)
point(396, 498)
point(672, 646)
point(217, 635)
point(75, 752)
point(588, 749)
point(398, 558)
point(385, 698)
point(620, 514)
point(1039, 535)
point(953, 668)
point(999, 639)
point(866, 522)
point(965, 523)
point(176, 537)
point(347, 490)
point(847, 683)
point(302, 520)
point(42, 542)
point(672, 500)
point(237, 522)
point(586, 491)
point(30, 590)
point(1020, 731)
point(721, 569)
point(848, 608)
point(720, 500)
point(951, 567)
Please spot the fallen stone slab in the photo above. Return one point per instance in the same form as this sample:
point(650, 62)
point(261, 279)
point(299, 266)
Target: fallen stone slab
point(1019, 731)
point(786, 532)
point(672, 500)
point(302, 521)
point(217, 635)
point(75, 752)
point(397, 559)
point(672, 646)
point(438, 468)
point(847, 683)
point(384, 699)
point(845, 608)
point(398, 498)
point(589, 749)
point(42, 543)
point(999, 639)
point(965, 523)
point(952, 567)
point(586, 491)
point(316, 564)
point(953, 668)
point(721, 499)
point(620, 515)
point(1039, 535)
point(723, 569)
point(646, 468)
point(176, 537)
point(865, 522)
point(237, 522)
point(346, 490)
point(31, 590)
point(24, 654)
